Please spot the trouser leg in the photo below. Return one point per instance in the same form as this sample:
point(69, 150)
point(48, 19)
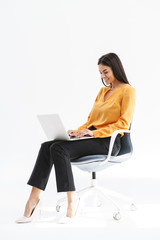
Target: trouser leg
point(61, 153)
point(64, 152)
point(63, 169)
point(43, 165)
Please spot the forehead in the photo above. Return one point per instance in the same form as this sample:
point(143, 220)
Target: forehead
point(103, 67)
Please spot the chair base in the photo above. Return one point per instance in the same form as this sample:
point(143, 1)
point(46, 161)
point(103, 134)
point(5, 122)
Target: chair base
point(98, 197)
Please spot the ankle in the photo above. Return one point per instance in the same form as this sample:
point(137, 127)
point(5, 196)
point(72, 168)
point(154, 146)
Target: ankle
point(72, 198)
point(33, 200)
point(72, 208)
point(30, 205)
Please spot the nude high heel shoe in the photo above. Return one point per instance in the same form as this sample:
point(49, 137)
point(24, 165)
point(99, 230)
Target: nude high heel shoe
point(66, 220)
point(24, 219)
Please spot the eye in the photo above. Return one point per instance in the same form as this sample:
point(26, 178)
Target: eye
point(103, 72)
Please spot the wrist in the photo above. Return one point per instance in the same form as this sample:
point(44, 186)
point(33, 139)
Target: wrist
point(91, 133)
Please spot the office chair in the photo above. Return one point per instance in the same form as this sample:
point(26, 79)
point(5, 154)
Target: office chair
point(94, 163)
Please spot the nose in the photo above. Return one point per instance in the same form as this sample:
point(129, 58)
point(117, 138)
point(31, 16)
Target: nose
point(102, 75)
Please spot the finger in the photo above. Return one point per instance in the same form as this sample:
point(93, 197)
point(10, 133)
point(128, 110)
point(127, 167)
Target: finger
point(80, 135)
point(73, 134)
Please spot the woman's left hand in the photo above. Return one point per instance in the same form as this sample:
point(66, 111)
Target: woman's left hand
point(84, 132)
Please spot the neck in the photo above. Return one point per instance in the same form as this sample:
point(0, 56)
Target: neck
point(116, 84)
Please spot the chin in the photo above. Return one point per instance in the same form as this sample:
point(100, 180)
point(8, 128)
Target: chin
point(107, 83)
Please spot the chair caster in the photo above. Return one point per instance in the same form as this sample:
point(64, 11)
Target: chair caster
point(58, 208)
point(133, 207)
point(117, 216)
point(99, 204)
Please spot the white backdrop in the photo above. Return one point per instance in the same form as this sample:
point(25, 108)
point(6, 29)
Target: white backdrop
point(48, 59)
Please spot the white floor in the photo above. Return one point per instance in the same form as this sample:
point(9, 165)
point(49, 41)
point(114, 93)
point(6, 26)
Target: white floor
point(92, 222)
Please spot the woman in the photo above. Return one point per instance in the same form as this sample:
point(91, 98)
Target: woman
point(112, 110)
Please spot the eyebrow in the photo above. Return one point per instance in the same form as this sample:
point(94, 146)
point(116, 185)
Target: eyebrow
point(104, 70)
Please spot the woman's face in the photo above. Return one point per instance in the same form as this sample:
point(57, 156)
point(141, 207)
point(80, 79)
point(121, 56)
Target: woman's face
point(106, 73)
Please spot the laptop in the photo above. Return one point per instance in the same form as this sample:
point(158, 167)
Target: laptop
point(54, 128)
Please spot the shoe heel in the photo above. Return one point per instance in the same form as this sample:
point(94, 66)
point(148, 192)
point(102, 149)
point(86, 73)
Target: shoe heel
point(39, 210)
point(40, 213)
point(79, 207)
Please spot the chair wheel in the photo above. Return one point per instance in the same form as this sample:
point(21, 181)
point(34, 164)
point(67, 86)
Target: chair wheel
point(133, 207)
point(99, 204)
point(117, 216)
point(58, 208)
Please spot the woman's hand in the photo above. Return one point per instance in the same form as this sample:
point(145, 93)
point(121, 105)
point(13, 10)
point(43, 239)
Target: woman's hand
point(84, 132)
point(72, 133)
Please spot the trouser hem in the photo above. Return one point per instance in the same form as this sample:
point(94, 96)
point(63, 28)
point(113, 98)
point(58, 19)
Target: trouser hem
point(34, 185)
point(66, 190)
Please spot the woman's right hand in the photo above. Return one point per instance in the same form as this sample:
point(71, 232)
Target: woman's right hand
point(72, 133)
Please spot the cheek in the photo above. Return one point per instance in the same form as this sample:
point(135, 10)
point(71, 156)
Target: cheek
point(111, 76)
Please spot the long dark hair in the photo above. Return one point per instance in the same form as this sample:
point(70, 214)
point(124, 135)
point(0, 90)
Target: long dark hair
point(113, 61)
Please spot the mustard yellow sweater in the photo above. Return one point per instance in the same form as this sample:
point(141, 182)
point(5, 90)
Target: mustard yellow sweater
point(113, 114)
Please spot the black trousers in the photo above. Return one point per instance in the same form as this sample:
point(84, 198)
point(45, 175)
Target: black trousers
point(60, 153)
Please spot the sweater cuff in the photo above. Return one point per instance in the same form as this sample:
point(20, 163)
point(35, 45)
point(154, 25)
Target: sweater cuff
point(96, 133)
